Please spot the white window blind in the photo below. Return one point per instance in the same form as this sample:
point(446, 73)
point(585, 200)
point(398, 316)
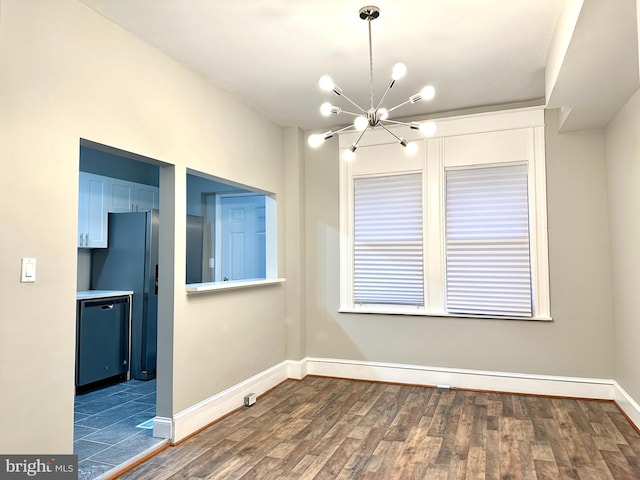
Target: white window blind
point(388, 240)
point(487, 241)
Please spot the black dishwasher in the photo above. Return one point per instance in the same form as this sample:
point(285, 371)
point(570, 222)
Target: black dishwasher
point(102, 343)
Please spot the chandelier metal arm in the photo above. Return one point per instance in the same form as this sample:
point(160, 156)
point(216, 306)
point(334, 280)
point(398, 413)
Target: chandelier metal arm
point(352, 113)
point(331, 133)
point(399, 105)
point(397, 122)
point(413, 125)
point(391, 84)
point(357, 142)
point(354, 104)
point(402, 141)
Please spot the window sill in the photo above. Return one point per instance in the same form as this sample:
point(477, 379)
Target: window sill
point(423, 313)
point(195, 288)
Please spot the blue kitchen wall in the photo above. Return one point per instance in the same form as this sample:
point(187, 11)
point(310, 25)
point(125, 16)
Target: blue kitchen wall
point(197, 185)
point(116, 166)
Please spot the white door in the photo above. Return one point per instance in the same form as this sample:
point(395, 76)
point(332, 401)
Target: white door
point(242, 237)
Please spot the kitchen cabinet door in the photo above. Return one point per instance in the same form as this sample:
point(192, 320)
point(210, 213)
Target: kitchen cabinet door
point(147, 198)
point(92, 211)
point(125, 196)
point(121, 196)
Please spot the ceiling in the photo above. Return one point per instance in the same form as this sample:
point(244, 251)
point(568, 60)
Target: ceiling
point(599, 70)
point(271, 53)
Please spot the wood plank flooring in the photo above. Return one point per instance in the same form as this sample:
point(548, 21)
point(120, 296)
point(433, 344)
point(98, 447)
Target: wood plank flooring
point(326, 428)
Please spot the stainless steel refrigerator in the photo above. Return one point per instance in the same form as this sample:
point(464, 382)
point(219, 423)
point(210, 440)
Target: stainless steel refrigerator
point(131, 263)
point(195, 232)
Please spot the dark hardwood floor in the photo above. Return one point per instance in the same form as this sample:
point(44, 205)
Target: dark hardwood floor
point(325, 428)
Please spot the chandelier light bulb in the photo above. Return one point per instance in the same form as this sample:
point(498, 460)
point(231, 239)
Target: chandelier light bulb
point(326, 84)
point(428, 92)
point(428, 129)
point(399, 71)
point(383, 113)
point(360, 123)
point(325, 109)
point(315, 140)
point(348, 155)
point(411, 148)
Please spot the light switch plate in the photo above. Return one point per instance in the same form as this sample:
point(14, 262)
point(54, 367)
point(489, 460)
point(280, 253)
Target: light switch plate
point(28, 271)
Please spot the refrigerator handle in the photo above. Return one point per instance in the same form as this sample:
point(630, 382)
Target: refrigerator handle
point(156, 282)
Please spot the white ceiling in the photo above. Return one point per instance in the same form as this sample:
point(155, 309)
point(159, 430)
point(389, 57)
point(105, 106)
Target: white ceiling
point(270, 53)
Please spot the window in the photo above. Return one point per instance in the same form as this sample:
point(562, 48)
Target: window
point(388, 267)
point(457, 230)
point(231, 231)
point(487, 241)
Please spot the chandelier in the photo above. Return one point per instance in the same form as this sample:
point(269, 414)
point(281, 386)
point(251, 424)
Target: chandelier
point(376, 115)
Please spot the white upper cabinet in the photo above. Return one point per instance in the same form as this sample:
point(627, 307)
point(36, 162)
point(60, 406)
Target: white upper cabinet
point(99, 195)
point(147, 198)
point(92, 211)
point(127, 196)
point(120, 196)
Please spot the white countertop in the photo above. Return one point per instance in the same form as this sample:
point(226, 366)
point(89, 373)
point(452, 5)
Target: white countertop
point(91, 294)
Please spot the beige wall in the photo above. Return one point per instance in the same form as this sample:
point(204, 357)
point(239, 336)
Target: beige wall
point(295, 242)
point(579, 342)
point(68, 74)
point(623, 168)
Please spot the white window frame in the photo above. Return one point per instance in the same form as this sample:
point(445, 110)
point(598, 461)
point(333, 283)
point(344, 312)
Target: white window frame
point(465, 141)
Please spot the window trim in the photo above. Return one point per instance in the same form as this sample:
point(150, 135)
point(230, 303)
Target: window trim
point(509, 136)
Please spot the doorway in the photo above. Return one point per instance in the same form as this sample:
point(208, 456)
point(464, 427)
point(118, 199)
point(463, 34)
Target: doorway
point(114, 417)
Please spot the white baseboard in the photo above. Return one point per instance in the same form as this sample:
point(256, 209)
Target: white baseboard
point(297, 369)
point(461, 378)
point(203, 413)
point(162, 427)
point(627, 404)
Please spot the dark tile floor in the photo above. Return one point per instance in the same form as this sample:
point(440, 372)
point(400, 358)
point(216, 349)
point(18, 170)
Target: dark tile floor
point(109, 426)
